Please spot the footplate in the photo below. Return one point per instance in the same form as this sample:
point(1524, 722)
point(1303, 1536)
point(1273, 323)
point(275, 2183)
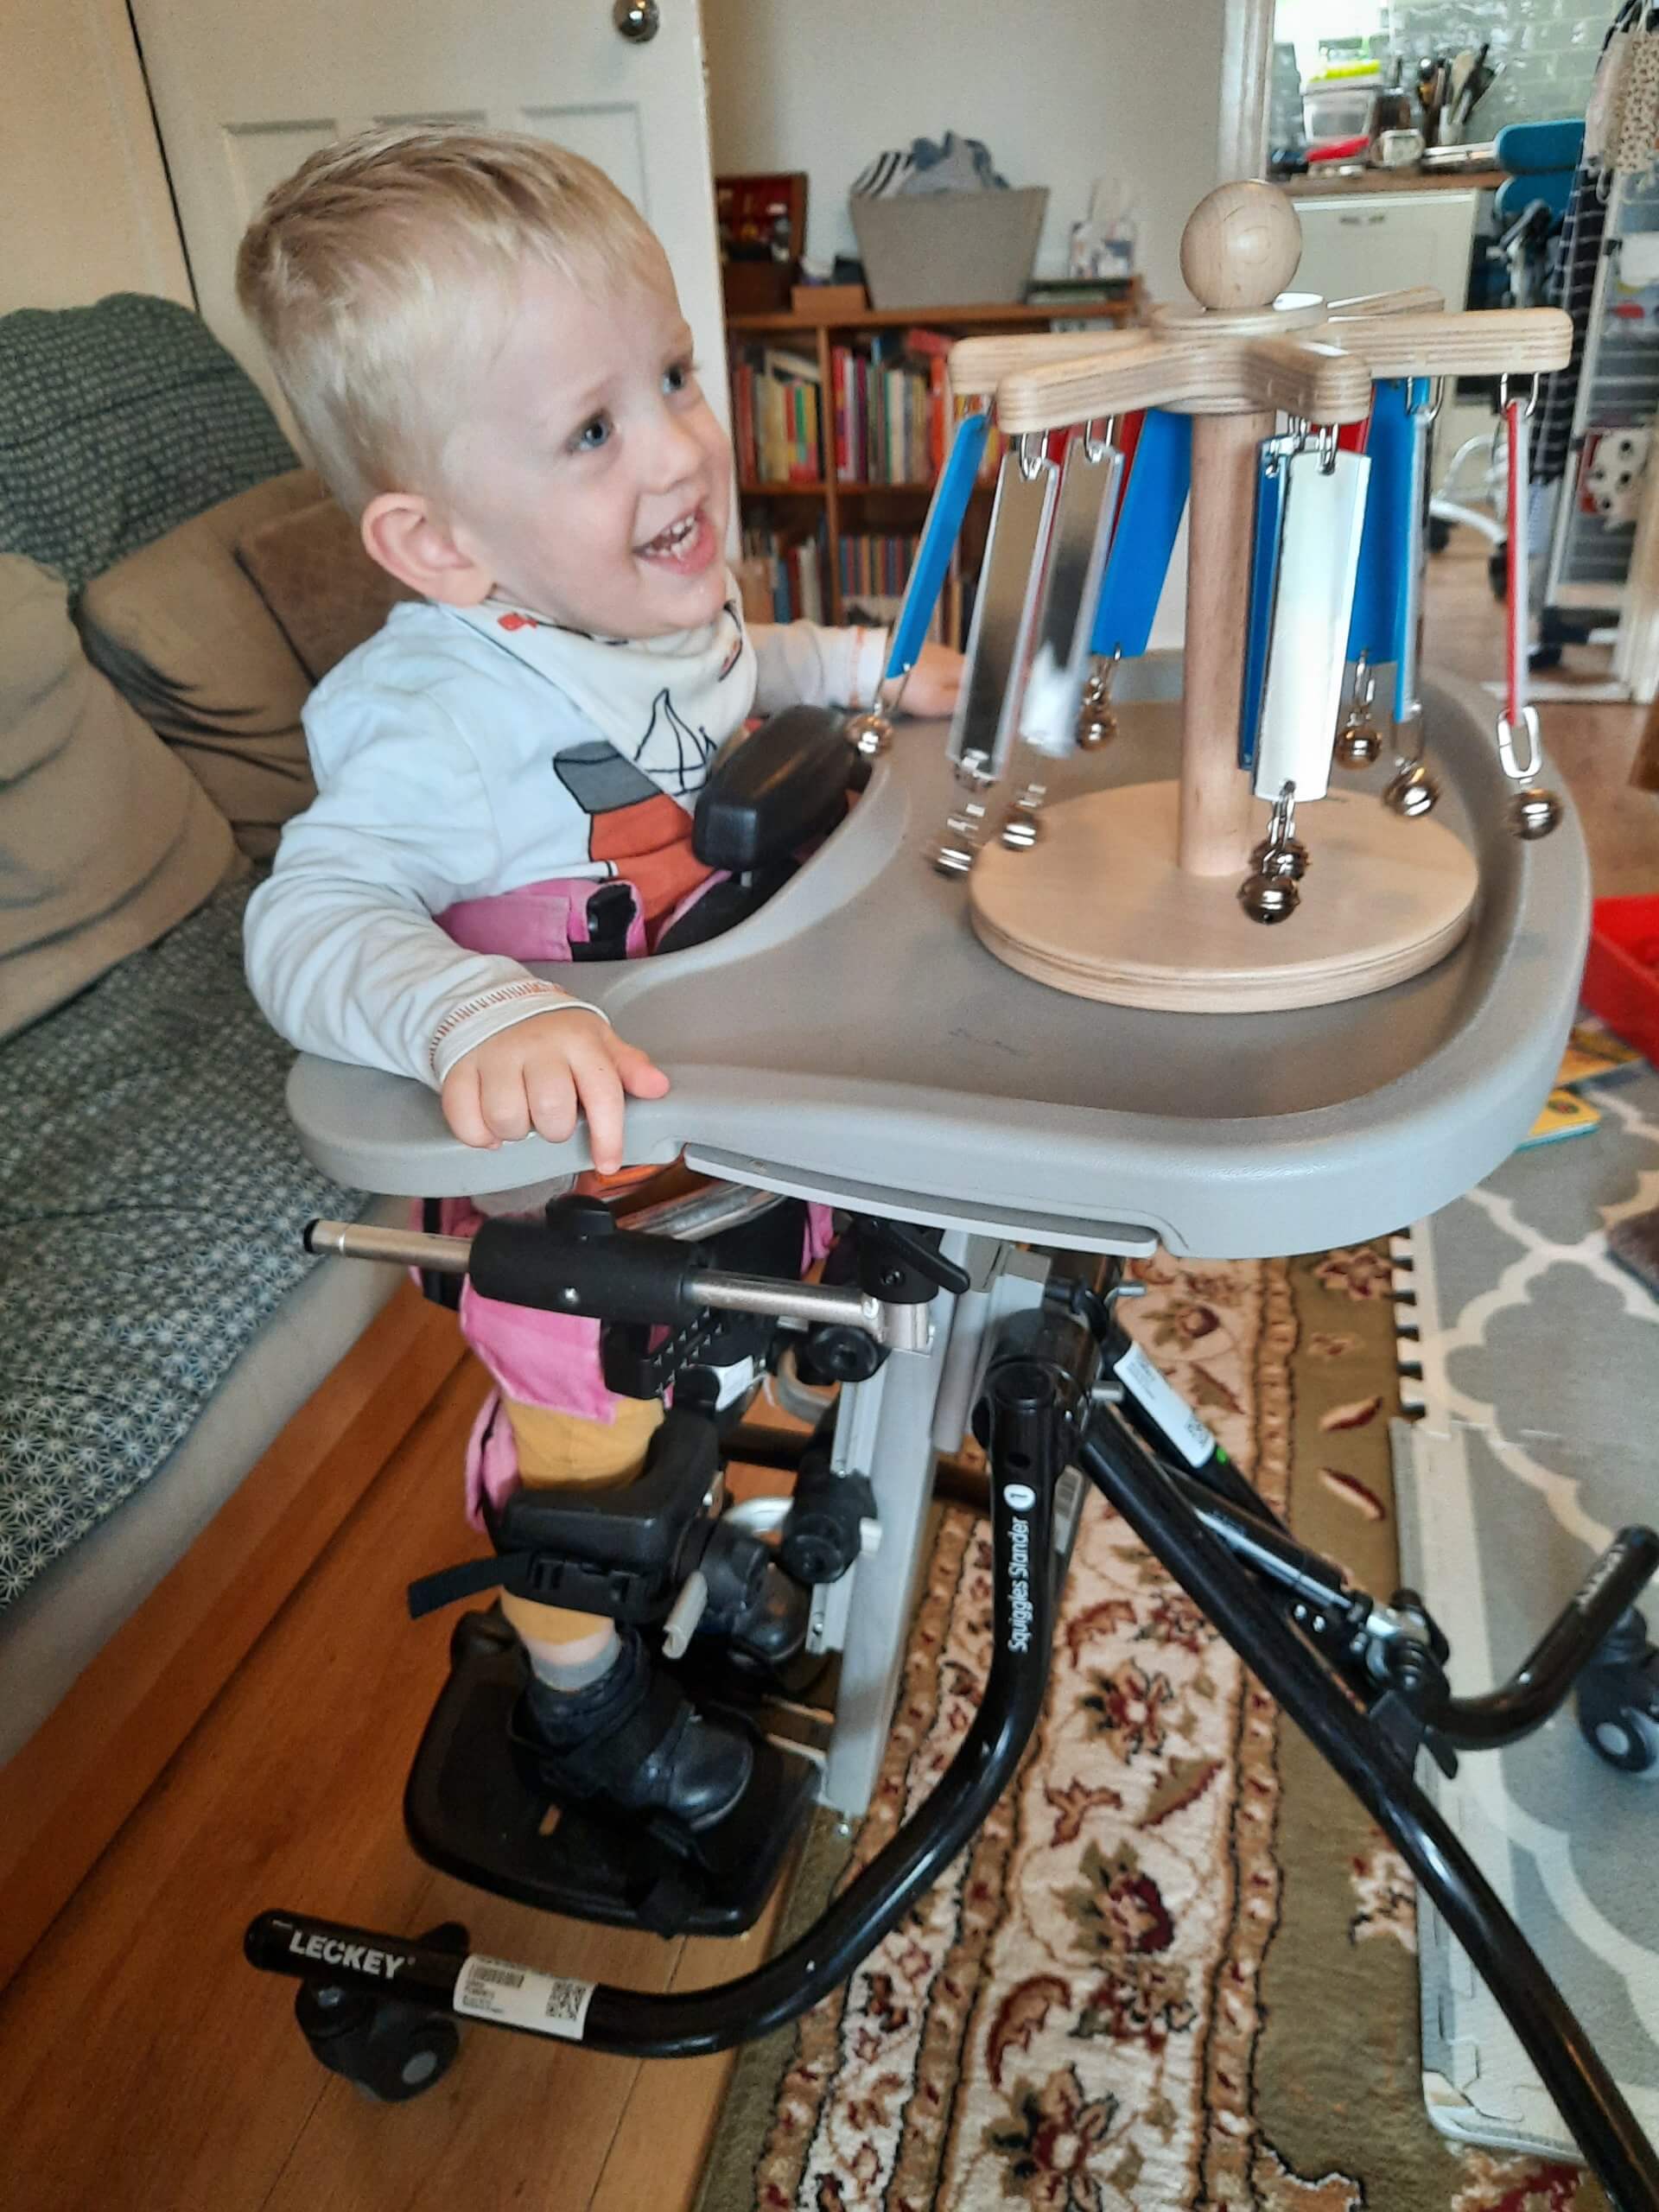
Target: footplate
point(470, 1810)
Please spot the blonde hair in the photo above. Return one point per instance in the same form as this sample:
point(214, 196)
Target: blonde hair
point(351, 272)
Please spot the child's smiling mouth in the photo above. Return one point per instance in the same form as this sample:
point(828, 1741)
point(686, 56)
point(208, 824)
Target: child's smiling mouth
point(686, 546)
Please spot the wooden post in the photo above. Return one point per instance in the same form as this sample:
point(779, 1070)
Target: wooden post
point(1217, 812)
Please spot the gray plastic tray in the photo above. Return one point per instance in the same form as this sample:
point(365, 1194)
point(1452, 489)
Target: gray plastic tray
point(855, 1040)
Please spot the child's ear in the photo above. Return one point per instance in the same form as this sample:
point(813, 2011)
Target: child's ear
point(400, 532)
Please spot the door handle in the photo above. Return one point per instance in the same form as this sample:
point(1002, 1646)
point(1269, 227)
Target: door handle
point(637, 21)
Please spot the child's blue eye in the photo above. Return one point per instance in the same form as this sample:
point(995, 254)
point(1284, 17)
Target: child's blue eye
point(592, 436)
point(680, 378)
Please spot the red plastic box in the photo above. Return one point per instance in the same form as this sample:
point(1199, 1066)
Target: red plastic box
point(1621, 975)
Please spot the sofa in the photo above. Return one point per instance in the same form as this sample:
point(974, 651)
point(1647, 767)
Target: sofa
point(188, 1404)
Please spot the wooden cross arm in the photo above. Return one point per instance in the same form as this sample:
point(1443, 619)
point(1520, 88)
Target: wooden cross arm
point(979, 364)
point(1211, 376)
point(1497, 341)
point(1410, 299)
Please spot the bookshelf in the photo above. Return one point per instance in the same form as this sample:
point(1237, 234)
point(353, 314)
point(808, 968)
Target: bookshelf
point(822, 500)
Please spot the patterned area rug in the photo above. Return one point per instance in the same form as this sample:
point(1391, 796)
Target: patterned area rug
point(1538, 1385)
point(1177, 1966)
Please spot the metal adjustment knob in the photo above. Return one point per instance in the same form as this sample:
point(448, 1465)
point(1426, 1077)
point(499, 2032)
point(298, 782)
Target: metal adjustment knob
point(869, 734)
point(1289, 860)
point(637, 21)
point(964, 833)
point(1534, 813)
point(1411, 791)
point(1268, 898)
point(1022, 829)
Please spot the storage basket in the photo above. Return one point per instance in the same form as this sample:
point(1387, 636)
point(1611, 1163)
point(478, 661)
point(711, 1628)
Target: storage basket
point(949, 248)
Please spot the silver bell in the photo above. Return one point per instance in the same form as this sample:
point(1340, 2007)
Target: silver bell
point(1097, 723)
point(1023, 828)
point(1289, 859)
point(1534, 813)
point(1358, 744)
point(1268, 898)
point(869, 734)
point(1412, 791)
point(964, 833)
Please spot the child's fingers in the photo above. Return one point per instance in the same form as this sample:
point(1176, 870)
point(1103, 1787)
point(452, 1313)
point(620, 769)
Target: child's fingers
point(502, 1095)
point(599, 1085)
point(462, 1110)
point(641, 1076)
point(552, 1099)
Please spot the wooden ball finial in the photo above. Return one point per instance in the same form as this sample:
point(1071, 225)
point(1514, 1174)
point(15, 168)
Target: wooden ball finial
point(1240, 246)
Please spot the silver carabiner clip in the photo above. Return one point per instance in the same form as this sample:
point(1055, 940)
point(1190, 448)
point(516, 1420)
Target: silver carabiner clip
point(1531, 407)
point(1034, 451)
point(1327, 448)
point(1096, 448)
point(1519, 772)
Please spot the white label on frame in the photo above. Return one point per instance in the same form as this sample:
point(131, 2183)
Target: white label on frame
point(518, 1997)
point(1167, 1407)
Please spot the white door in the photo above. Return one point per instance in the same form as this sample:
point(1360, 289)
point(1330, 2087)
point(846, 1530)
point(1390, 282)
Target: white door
point(81, 182)
point(246, 89)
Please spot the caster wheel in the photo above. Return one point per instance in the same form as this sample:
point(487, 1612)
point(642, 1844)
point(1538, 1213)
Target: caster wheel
point(1625, 1738)
point(1497, 571)
point(1543, 656)
point(1439, 534)
point(386, 2047)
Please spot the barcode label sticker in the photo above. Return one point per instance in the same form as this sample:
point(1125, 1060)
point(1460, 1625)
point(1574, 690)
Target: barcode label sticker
point(518, 1997)
point(1170, 1410)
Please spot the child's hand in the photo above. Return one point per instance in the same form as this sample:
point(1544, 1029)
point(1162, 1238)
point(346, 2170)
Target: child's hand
point(540, 1074)
point(934, 681)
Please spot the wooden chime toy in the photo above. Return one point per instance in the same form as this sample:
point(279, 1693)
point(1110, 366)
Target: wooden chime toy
point(1293, 434)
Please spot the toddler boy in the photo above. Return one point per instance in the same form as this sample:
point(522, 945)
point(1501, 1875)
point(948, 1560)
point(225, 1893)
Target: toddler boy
point(480, 338)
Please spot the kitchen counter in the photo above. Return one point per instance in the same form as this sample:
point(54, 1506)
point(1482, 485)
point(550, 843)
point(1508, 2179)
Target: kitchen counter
point(1335, 181)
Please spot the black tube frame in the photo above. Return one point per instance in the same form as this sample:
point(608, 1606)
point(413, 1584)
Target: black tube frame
point(1037, 1420)
point(1589, 2100)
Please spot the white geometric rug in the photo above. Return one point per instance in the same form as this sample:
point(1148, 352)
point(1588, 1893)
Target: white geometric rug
point(1531, 1361)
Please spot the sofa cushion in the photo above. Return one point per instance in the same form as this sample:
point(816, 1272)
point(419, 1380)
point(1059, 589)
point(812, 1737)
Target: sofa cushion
point(182, 632)
point(105, 843)
point(309, 566)
point(146, 1152)
point(118, 421)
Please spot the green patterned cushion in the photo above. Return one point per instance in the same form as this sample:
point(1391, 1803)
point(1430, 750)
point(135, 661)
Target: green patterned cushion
point(118, 421)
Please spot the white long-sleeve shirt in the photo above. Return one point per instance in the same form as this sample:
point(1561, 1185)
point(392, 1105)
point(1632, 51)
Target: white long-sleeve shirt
point(433, 755)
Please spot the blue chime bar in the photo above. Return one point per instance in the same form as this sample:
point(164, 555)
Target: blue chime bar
point(1160, 475)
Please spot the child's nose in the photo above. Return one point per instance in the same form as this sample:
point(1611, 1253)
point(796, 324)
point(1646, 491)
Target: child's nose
point(676, 453)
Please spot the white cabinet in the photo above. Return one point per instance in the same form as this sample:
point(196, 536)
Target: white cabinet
point(1357, 242)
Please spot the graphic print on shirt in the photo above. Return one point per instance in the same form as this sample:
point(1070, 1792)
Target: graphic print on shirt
point(673, 753)
point(634, 825)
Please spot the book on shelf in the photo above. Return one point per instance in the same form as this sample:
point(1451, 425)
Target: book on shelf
point(891, 407)
point(777, 416)
point(797, 565)
point(873, 572)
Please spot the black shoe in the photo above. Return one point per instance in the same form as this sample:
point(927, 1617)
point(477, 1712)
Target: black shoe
point(635, 1740)
point(771, 1627)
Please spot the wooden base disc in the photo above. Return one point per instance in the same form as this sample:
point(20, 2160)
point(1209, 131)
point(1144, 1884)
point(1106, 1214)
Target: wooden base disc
point(1099, 908)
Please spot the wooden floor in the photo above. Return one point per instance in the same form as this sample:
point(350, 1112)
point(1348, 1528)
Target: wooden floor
point(147, 2069)
point(144, 2068)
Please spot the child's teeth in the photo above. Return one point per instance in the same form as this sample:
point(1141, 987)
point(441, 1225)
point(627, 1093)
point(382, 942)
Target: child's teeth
point(675, 534)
